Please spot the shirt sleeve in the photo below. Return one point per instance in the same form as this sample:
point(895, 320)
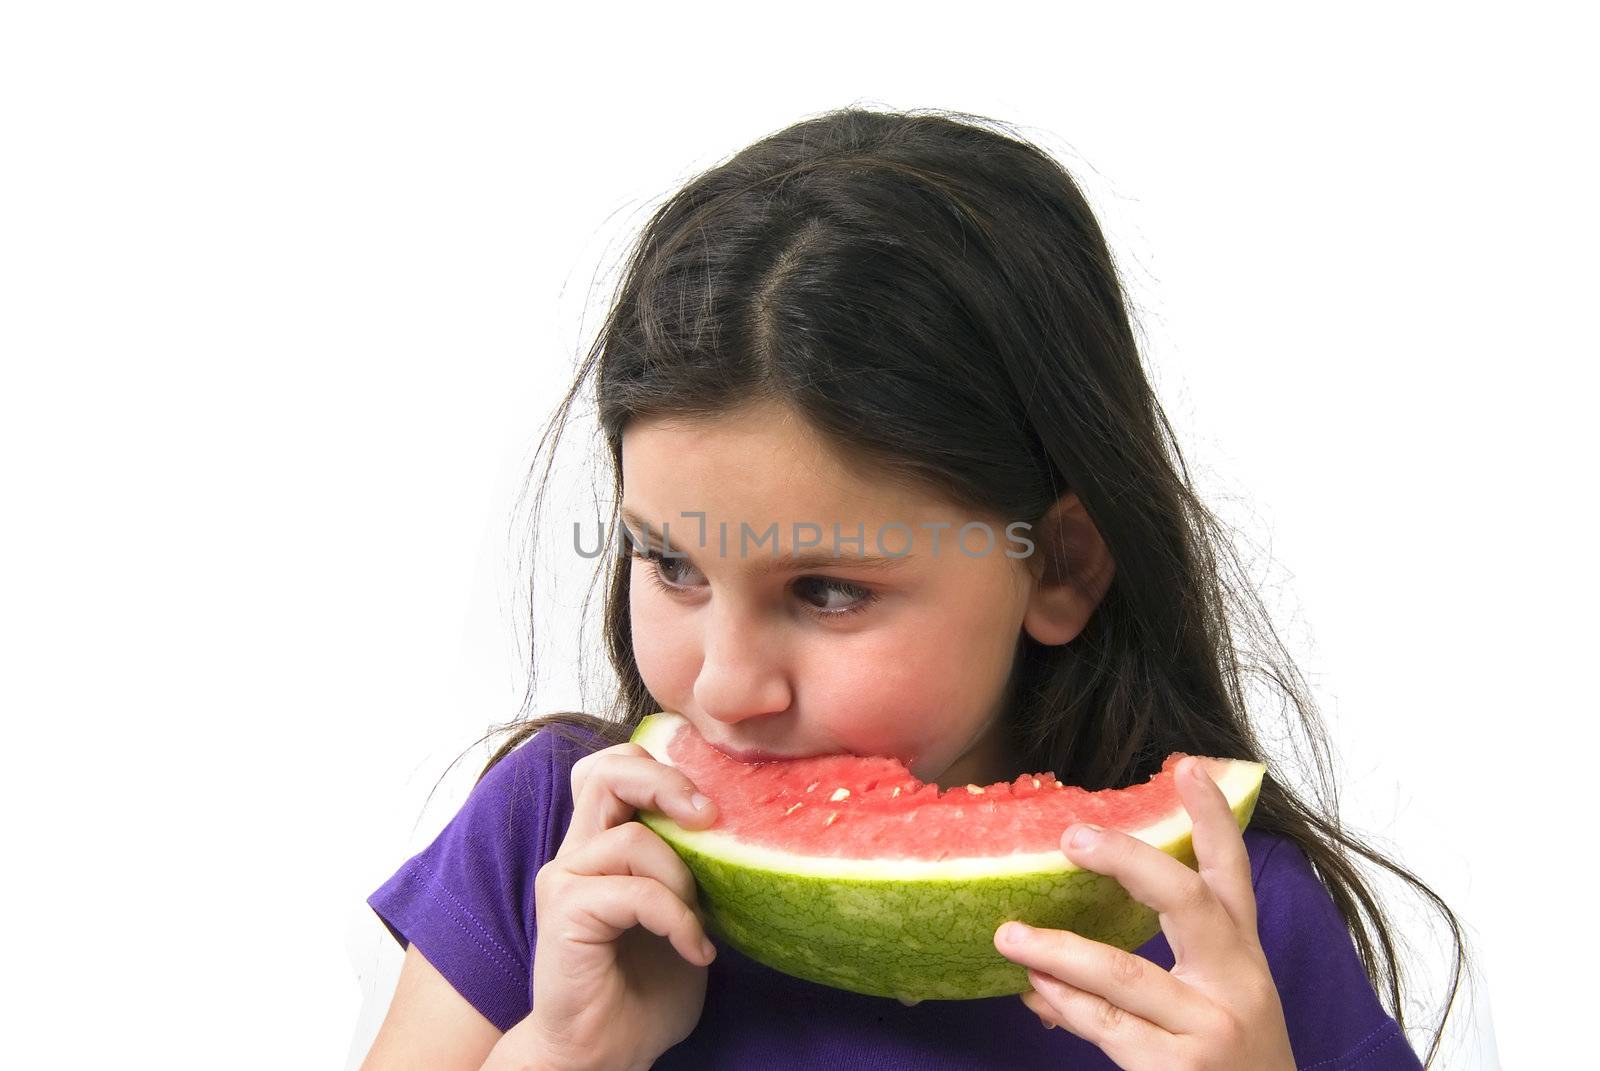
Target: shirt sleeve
point(1335, 1019)
point(466, 901)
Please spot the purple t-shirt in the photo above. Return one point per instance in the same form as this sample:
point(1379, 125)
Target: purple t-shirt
point(467, 902)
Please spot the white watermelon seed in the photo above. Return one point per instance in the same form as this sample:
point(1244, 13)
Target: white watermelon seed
point(1035, 782)
point(791, 810)
point(975, 790)
point(839, 794)
point(812, 785)
point(896, 791)
point(831, 817)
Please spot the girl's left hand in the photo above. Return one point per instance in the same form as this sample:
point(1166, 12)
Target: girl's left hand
point(1218, 1007)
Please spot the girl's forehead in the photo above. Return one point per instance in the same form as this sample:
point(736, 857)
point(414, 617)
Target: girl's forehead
point(764, 456)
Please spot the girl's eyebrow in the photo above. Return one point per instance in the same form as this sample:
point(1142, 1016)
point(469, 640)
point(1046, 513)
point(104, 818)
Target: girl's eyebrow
point(765, 565)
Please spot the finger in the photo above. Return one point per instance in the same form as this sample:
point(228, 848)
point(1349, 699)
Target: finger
point(1040, 1007)
point(1194, 920)
point(633, 849)
point(584, 767)
point(1128, 981)
point(617, 904)
point(617, 784)
point(1129, 1040)
point(1219, 846)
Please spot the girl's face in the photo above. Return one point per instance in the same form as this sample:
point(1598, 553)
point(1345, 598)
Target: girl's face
point(908, 659)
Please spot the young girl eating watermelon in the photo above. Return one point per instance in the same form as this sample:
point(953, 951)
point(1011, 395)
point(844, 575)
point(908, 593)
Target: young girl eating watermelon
point(893, 483)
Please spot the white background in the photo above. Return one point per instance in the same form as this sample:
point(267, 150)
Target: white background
point(288, 290)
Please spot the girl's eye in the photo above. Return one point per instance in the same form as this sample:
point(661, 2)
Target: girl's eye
point(660, 565)
point(661, 568)
point(861, 596)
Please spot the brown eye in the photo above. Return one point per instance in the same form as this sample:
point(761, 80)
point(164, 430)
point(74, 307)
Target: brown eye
point(662, 569)
point(863, 597)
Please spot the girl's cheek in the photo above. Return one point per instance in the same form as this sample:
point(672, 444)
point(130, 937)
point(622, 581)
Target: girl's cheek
point(661, 650)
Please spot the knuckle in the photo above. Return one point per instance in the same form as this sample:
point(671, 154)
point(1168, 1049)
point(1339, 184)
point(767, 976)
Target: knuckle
point(1126, 969)
point(546, 879)
point(1229, 1031)
point(580, 772)
point(1195, 893)
point(648, 855)
point(636, 836)
point(1108, 1017)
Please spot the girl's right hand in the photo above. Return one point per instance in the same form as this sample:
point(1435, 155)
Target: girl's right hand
point(608, 992)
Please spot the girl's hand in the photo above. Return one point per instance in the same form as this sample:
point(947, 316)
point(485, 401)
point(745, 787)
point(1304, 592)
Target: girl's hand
point(1218, 1007)
point(607, 991)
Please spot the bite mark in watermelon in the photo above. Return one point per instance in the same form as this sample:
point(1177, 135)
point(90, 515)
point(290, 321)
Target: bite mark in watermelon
point(850, 872)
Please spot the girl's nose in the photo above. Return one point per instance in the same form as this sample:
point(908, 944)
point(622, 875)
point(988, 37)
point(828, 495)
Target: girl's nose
point(742, 671)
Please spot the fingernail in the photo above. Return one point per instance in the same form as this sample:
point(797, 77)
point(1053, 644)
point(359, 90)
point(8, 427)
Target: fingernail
point(1197, 771)
point(1014, 933)
point(1085, 834)
point(698, 802)
point(710, 950)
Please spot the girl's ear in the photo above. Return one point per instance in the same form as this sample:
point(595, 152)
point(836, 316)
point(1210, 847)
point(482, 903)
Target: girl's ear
point(1071, 569)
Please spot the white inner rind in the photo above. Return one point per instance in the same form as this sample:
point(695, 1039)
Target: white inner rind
point(1237, 778)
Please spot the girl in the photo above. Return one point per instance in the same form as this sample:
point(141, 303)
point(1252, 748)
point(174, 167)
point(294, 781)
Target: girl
point(878, 324)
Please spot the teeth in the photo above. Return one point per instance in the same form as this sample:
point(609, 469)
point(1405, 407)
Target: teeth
point(839, 794)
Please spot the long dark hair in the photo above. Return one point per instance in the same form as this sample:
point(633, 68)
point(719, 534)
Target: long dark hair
point(932, 293)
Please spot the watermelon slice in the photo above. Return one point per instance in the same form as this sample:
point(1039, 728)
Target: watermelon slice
point(850, 872)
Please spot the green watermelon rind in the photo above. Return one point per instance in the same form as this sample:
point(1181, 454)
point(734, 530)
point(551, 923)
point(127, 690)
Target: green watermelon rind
point(906, 928)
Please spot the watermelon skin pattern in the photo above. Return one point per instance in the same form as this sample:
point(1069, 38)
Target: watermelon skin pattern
point(921, 939)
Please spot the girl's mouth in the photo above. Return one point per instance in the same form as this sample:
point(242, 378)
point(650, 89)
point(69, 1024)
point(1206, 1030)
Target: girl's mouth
point(754, 756)
point(768, 756)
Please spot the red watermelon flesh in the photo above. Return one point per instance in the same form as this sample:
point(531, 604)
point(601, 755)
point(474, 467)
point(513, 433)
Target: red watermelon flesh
point(873, 808)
